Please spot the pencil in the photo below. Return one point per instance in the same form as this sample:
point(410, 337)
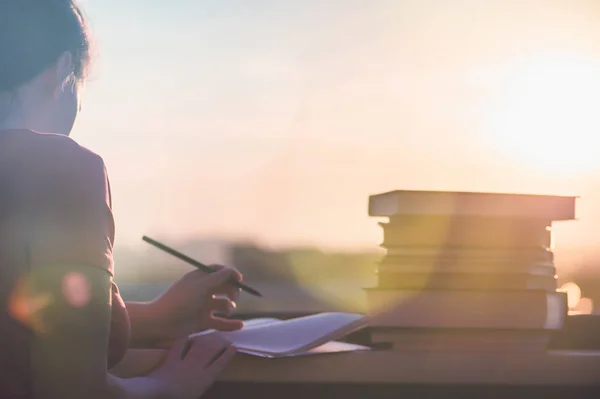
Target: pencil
point(198, 265)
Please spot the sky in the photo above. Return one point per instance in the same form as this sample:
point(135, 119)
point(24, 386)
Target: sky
point(275, 120)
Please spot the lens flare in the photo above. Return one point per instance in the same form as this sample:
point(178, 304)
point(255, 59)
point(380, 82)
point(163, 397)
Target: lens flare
point(76, 289)
point(26, 307)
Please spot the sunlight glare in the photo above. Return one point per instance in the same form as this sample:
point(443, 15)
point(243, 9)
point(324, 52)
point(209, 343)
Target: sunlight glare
point(546, 116)
point(573, 293)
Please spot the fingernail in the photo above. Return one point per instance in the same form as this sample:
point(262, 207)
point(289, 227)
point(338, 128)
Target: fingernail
point(232, 306)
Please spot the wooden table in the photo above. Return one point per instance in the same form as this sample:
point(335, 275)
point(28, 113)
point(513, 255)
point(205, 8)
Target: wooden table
point(392, 367)
point(392, 374)
point(395, 374)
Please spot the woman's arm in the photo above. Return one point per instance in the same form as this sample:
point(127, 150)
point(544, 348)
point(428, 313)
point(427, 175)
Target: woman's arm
point(146, 332)
point(69, 349)
point(139, 362)
point(66, 296)
point(196, 302)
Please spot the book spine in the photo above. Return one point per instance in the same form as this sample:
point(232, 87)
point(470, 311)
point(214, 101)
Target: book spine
point(532, 309)
point(456, 236)
point(472, 204)
point(480, 268)
point(466, 281)
point(457, 255)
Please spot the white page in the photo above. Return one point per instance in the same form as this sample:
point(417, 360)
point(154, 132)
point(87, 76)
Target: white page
point(329, 347)
point(294, 335)
point(259, 322)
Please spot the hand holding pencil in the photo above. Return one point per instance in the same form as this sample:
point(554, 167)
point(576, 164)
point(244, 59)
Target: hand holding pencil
point(197, 264)
point(200, 300)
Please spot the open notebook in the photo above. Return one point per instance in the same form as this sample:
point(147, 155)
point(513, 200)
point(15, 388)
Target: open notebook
point(314, 334)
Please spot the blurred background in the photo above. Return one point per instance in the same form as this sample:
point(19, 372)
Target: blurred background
point(251, 133)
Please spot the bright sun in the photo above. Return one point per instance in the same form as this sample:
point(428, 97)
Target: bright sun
point(547, 115)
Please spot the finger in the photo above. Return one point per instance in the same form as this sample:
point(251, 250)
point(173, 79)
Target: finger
point(176, 350)
point(222, 324)
point(237, 275)
point(229, 290)
point(218, 267)
point(222, 305)
point(222, 361)
point(221, 277)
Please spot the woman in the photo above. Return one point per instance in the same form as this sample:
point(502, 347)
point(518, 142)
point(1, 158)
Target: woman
point(64, 324)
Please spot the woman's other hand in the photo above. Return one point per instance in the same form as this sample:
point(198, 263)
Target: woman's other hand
point(192, 365)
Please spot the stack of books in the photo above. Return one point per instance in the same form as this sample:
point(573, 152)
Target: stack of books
point(467, 270)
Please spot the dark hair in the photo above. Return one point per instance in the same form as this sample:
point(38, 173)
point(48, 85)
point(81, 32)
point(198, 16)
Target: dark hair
point(34, 33)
